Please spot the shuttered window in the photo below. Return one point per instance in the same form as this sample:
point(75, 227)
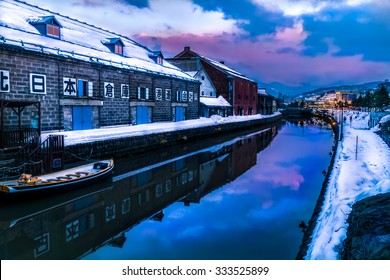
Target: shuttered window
point(53, 30)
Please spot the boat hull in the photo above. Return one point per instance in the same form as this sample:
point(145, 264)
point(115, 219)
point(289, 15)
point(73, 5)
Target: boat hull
point(10, 193)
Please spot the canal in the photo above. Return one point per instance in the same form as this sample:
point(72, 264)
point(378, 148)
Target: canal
point(238, 199)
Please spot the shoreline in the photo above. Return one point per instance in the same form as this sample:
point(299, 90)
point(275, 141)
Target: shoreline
point(141, 139)
point(361, 170)
point(308, 231)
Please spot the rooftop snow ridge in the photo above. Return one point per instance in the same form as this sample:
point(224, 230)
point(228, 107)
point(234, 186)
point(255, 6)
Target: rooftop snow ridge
point(75, 20)
point(16, 28)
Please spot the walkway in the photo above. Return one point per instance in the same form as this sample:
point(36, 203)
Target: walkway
point(354, 177)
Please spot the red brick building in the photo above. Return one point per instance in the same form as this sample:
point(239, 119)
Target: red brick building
point(235, 87)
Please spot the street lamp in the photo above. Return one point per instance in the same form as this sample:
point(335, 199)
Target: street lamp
point(341, 104)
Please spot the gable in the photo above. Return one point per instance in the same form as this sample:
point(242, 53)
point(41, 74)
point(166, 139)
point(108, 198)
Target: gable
point(46, 25)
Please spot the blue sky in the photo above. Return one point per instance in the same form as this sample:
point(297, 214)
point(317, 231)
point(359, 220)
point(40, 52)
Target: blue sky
point(300, 44)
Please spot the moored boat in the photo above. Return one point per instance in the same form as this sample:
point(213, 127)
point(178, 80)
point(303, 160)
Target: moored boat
point(61, 181)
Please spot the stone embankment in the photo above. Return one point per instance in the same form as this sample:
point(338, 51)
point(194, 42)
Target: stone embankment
point(162, 140)
point(308, 230)
point(368, 235)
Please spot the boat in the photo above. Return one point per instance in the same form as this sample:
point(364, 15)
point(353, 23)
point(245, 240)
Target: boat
point(61, 181)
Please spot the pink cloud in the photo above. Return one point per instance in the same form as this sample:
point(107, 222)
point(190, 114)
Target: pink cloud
point(276, 58)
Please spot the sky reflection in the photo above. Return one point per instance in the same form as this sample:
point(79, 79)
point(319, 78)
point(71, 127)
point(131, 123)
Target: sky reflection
point(256, 216)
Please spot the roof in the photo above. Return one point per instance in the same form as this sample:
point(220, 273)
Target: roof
point(16, 103)
point(79, 40)
point(110, 41)
point(215, 102)
point(188, 54)
point(43, 19)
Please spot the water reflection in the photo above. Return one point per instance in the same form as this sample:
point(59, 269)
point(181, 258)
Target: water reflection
point(232, 200)
point(74, 225)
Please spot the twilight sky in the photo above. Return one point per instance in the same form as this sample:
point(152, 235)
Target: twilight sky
point(300, 44)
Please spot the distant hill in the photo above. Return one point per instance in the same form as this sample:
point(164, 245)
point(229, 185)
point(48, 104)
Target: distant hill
point(361, 87)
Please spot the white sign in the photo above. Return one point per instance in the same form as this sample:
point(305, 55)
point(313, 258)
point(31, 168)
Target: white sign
point(4, 81)
point(109, 90)
point(37, 83)
point(69, 85)
point(125, 91)
point(159, 95)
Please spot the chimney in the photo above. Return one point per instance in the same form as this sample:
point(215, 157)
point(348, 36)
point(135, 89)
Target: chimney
point(186, 48)
point(222, 62)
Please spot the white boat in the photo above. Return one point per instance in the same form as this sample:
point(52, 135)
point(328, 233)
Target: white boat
point(65, 180)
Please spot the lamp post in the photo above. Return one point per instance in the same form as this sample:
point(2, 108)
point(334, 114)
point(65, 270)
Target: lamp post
point(342, 121)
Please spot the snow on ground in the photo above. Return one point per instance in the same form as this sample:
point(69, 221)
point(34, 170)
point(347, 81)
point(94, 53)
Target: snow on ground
point(93, 135)
point(352, 179)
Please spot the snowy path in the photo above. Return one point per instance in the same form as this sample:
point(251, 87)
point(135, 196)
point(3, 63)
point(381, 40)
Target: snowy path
point(91, 135)
point(351, 180)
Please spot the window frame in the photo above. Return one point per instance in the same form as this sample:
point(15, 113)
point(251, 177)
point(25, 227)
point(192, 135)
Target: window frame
point(53, 27)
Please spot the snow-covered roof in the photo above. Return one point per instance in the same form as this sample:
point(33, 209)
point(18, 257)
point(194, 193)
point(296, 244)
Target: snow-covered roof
point(385, 119)
point(79, 40)
point(192, 73)
point(215, 102)
point(228, 70)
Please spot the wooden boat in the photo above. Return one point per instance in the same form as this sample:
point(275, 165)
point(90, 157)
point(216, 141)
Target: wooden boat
point(69, 179)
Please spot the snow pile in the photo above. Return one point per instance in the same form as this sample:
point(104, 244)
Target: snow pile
point(385, 119)
point(107, 133)
point(360, 120)
point(215, 102)
point(361, 169)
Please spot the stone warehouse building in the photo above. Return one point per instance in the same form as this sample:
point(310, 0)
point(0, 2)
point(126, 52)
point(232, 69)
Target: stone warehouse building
point(83, 76)
point(218, 80)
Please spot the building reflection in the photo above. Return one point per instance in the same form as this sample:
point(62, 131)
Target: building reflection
point(72, 225)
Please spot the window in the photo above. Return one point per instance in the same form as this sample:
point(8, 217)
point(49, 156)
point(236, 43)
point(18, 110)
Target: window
point(115, 45)
point(190, 96)
point(46, 25)
point(179, 96)
point(143, 93)
point(159, 60)
point(53, 30)
point(119, 49)
point(84, 88)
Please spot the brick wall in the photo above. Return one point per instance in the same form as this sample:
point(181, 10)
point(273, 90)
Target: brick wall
point(20, 65)
point(57, 109)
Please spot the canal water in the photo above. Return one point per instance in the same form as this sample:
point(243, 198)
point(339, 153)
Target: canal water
point(238, 199)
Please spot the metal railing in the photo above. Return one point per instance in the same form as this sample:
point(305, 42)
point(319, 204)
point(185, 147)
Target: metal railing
point(18, 137)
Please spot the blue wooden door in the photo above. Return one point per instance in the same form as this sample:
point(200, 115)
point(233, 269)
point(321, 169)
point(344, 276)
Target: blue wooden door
point(82, 117)
point(142, 114)
point(179, 114)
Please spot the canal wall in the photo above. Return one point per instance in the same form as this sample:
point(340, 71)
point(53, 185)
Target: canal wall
point(309, 228)
point(368, 235)
point(136, 145)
